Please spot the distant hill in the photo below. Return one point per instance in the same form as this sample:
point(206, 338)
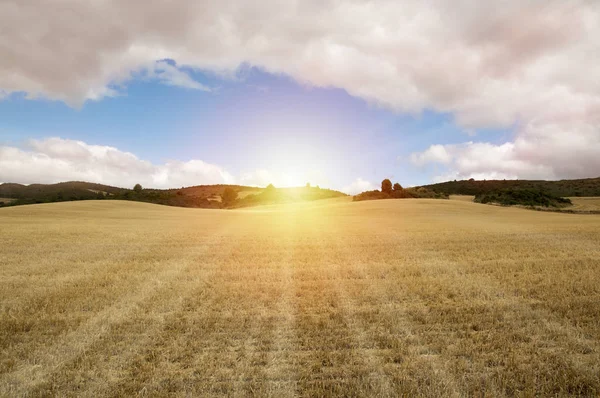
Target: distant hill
point(201, 196)
point(64, 191)
point(562, 188)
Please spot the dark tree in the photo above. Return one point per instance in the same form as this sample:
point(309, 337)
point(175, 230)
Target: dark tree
point(386, 186)
point(137, 188)
point(397, 187)
point(229, 195)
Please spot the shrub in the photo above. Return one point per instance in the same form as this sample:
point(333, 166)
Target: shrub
point(229, 195)
point(386, 186)
point(370, 195)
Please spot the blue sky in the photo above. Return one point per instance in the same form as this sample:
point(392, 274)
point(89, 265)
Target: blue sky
point(254, 120)
point(337, 93)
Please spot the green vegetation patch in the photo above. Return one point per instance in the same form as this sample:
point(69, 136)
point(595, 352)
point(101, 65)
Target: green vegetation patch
point(583, 187)
point(524, 197)
point(397, 192)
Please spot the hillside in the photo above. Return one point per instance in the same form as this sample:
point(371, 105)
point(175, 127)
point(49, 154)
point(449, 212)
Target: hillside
point(523, 197)
point(562, 188)
point(200, 196)
point(64, 191)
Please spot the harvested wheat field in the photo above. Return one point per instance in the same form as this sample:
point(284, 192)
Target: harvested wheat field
point(585, 204)
point(380, 298)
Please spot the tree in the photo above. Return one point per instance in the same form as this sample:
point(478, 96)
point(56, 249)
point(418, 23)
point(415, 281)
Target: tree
point(308, 185)
point(137, 188)
point(229, 195)
point(397, 187)
point(386, 186)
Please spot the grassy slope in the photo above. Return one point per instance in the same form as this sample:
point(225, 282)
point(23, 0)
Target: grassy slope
point(564, 188)
point(416, 297)
point(586, 204)
point(580, 204)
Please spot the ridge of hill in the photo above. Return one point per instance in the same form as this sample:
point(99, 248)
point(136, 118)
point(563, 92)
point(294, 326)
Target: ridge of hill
point(199, 196)
point(562, 188)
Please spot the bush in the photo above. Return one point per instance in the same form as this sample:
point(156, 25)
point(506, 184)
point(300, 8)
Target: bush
point(399, 193)
point(371, 195)
point(386, 186)
point(229, 196)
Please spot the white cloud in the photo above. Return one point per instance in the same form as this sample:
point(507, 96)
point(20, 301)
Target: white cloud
point(55, 160)
point(490, 64)
point(435, 153)
point(541, 151)
point(357, 186)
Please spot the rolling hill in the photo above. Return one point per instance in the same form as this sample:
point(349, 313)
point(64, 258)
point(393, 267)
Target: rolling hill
point(562, 188)
point(200, 196)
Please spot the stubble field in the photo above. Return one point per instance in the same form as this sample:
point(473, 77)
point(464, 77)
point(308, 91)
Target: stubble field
point(332, 298)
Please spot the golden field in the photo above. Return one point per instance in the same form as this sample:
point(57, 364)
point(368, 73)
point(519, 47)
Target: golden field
point(385, 298)
point(580, 204)
point(585, 204)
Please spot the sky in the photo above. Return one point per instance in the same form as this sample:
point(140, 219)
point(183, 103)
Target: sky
point(340, 94)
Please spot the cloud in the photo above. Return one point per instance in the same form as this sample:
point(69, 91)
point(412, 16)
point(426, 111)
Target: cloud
point(357, 186)
point(434, 154)
point(541, 151)
point(489, 64)
point(55, 160)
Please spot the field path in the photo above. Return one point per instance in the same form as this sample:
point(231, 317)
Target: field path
point(280, 372)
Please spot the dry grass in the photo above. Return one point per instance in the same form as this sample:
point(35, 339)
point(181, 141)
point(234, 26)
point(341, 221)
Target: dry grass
point(243, 194)
point(378, 298)
point(463, 198)
point(580, 204)
point(585, 204)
